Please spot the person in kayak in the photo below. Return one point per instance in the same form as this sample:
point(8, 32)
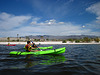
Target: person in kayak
point(8, 43)
point(29, 48)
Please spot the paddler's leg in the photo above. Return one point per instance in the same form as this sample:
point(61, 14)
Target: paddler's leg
point(34, 50)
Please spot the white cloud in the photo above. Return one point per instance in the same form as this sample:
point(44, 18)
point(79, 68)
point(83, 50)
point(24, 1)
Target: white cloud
point(48, 27)
point(9, 21)
point(47, 22)
point(52, 27)
point(95, 9)
point(35, 20)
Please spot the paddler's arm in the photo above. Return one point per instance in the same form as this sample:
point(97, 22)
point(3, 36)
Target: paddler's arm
point(33, 48)
point(34, 45)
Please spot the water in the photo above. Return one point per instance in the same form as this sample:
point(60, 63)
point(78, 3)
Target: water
point(77, 60)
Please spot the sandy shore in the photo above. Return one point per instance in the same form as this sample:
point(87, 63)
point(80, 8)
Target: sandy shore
point(50, 42)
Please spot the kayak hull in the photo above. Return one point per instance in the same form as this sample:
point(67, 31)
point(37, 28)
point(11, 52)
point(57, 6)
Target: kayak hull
point(50, 47)
point(11, 45)
point(54, 51)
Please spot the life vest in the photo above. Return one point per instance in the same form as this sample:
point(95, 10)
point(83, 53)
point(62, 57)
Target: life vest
point(27, 48)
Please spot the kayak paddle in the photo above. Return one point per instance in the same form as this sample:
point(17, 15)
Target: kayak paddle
point(36, 46)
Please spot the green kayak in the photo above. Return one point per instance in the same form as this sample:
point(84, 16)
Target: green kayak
point(50, 47)
point(54, 51)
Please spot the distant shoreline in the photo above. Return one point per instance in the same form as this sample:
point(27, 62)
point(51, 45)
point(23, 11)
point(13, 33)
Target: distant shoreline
point(50, 42)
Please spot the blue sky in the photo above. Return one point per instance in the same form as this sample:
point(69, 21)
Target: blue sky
point(49, 17)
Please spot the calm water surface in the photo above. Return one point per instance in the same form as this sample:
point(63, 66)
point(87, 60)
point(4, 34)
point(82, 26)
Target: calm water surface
point(77, 60)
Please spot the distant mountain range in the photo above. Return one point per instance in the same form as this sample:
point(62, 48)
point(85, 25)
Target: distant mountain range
point(60, 37)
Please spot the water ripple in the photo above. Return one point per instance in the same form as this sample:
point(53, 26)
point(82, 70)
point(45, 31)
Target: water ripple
point(77, 60)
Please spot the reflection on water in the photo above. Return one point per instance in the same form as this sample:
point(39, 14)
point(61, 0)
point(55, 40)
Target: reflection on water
point(53, 60)
point(43, 60)
point(29, 62)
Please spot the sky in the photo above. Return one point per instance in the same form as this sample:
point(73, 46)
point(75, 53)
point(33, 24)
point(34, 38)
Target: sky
point(49, 17)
